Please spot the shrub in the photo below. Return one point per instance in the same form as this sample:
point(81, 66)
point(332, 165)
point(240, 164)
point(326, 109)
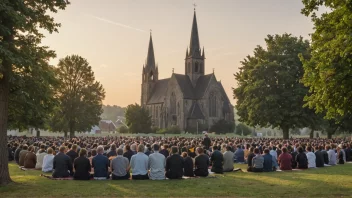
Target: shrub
point(123, 129)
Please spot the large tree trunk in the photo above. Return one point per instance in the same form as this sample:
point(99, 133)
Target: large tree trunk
point(4, 107)
point(286, 132)
point(72, 132)
point(329, 134)
point(37, 133)
point(311, 134)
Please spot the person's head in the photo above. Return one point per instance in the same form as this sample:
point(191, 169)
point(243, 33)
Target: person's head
point(140, 148)
point(100, 150)
point(251, 150)
point(327, 147)
point(284, 150)
point(274, 148)
point(200, 150)
point(128, 147)
point(166, 146)
point(82, 152)
point(266, 151)
point(50, 150)
point(228, 148)
point(74, 147)
point(113, 147)
point(69, 146)
point(156, 147)
point(174, 149)
point(119, 151)
point(25, 147)
point(62, 149)
point(184, 154)
point(134, 147)
point(94, 152)
point(215, 147)
point(42, 147)
point(256, 151)
point(300, 149)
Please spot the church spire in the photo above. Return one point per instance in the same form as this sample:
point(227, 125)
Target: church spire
point(194, 43)
point(150, 57)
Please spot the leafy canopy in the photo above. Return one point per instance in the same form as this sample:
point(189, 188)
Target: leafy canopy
point(269, 91)
point(138, 119)
point(328, 72)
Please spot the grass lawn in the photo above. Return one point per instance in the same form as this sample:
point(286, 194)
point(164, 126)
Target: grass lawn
point(323, 182)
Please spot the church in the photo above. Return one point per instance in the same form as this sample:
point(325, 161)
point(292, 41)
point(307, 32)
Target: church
point(186, 100)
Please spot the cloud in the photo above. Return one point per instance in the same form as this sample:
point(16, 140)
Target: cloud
point(117, 24)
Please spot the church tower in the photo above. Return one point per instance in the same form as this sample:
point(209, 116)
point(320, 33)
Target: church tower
point(194, 61)
point(150, 74)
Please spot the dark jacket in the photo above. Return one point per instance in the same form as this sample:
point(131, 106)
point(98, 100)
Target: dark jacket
point(206, 142)
point(128, 154)
point(268, 163)
point(100, 163)
point(217, 160)
point(165, 152)
point(201, 165)
point(111, 153)
point(82, 168)
point(30, 160)
point(174, 167)
point(10, 154)
point(325, 156)
point(302, 161)
point(294, 163)
point(249, 159)
point(73, 155)
point(17, 155)
point(340, 158)
point(61, 165)
point(319, 158)
point(188, 167)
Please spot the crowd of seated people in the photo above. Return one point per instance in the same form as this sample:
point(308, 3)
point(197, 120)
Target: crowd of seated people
point(158, 158)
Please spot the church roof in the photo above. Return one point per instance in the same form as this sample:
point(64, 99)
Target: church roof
point(185, 85)
point(195, 112)
point(202, 85)
point(159, 91)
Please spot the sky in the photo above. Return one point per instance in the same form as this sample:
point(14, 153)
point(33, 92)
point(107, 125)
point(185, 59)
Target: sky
point(113, 36)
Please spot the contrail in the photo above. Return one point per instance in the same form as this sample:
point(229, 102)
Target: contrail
point(118, 24)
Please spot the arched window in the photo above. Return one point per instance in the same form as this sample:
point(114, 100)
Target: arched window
point(173, 104)
point(196, 67)
point(212, 105)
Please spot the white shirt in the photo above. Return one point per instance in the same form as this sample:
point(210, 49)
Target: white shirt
point(274, 154)
point(40, 158)
point(311, 160)
point(332, 157)
point(48, 163)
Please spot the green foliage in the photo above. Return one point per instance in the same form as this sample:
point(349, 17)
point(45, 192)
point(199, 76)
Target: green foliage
point(269, 92)
point(24, 62)
point(80, 96)
point(138, 119)
point(328, 72)
point(243, 129)
point(123, 129)
point(112, 112)
point(154, 129)
point(170, 130)
point(223, 126)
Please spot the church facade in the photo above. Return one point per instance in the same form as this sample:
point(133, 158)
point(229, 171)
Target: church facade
point(184, 100)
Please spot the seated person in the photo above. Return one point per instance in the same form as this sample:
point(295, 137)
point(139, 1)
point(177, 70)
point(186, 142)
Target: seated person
point(40, 157)
point(17, 154)
point(188, 165)
point(339, 156)
point(112, 152)
point(62, 164)
point(332, 155)
point(22, 155)
point(239, 155)
point(285, 160)
point(120, 166)
point(48, 161)
point(174, 165)
point(201, 163)
point(100, 164)
point(217, 160)
point(228, 160)
point(311, 157)
point(156, 164)
point(257, 161)
point(82, 166)
point(301, 159)
point(129, 153)
point(72, 153)
point(139, 164)
point(250, 158)
point(30, 159)
point(10, 153)
point(268, 161)
point(319, 157)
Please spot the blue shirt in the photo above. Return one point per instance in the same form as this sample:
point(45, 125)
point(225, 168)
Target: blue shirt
point(139, 164)
point(100, 164)
point(239, 155)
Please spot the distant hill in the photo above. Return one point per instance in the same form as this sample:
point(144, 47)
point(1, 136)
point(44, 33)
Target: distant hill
point(112, 112)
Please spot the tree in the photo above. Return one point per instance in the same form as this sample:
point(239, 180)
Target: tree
point(222, 126)
point(21, 51)
point(269, 91)
point(80, 96)
point(328, 72)
point(242, 129)
point(112, 112)
point(138, 119)
point(123, 129)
